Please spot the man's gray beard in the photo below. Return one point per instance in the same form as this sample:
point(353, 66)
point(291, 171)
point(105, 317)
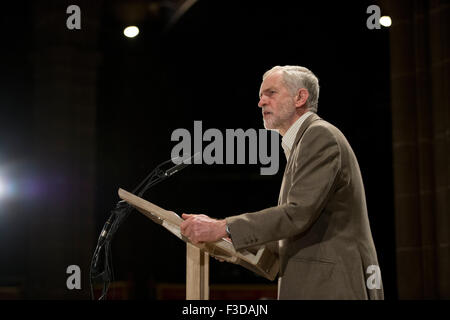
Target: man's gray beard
point(265, 127)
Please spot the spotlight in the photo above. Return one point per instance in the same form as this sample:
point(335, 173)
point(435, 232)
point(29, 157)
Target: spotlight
point(5, 189)
point(2, 188)
point(131, 31)
point(385, 21)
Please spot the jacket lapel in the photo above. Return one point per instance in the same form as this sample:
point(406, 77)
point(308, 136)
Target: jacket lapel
point(301, 131)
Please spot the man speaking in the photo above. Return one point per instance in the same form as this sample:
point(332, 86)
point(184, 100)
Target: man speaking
point(320, 228)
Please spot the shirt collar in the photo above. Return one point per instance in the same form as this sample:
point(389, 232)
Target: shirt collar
point(289, 137)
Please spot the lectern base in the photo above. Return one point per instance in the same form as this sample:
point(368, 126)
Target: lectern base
point(197, 273)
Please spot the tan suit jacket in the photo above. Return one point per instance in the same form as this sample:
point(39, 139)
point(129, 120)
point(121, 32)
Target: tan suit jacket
point(320, 228)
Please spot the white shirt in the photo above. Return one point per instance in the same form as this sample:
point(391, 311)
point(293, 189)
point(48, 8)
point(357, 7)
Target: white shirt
point(289, 137)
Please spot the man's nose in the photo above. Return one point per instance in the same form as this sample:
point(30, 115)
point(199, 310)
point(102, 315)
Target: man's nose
point(262, 102)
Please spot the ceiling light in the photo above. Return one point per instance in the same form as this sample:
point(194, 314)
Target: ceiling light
point(131, 31)
point(385, 21)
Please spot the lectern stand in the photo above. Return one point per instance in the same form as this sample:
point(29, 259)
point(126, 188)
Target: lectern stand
point(260, 260)
point(197, 273)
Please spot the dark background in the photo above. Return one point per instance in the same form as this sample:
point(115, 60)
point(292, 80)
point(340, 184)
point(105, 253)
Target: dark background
point(207, 66)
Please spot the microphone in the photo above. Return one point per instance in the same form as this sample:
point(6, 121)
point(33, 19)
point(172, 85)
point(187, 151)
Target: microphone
point(120, 213)
point(184, 163)
point(107, 226)
point(117, 214)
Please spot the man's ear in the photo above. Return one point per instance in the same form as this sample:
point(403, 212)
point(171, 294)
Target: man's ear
point(302, 96)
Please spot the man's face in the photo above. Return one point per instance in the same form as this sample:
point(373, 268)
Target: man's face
point(277, 104)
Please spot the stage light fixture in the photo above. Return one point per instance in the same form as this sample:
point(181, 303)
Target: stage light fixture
point(131, 31)
point(385, 21)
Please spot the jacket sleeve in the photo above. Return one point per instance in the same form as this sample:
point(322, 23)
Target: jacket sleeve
point(314, 173)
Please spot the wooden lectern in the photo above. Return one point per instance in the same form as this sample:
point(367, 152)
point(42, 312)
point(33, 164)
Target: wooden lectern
point(260, 260)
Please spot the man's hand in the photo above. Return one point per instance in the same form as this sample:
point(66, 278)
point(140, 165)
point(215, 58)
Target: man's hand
point(201, 228)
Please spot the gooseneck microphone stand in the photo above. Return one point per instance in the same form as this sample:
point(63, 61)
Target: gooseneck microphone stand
point(102, 253)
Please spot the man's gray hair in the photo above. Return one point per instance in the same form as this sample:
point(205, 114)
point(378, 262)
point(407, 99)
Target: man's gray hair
point(295, 78)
